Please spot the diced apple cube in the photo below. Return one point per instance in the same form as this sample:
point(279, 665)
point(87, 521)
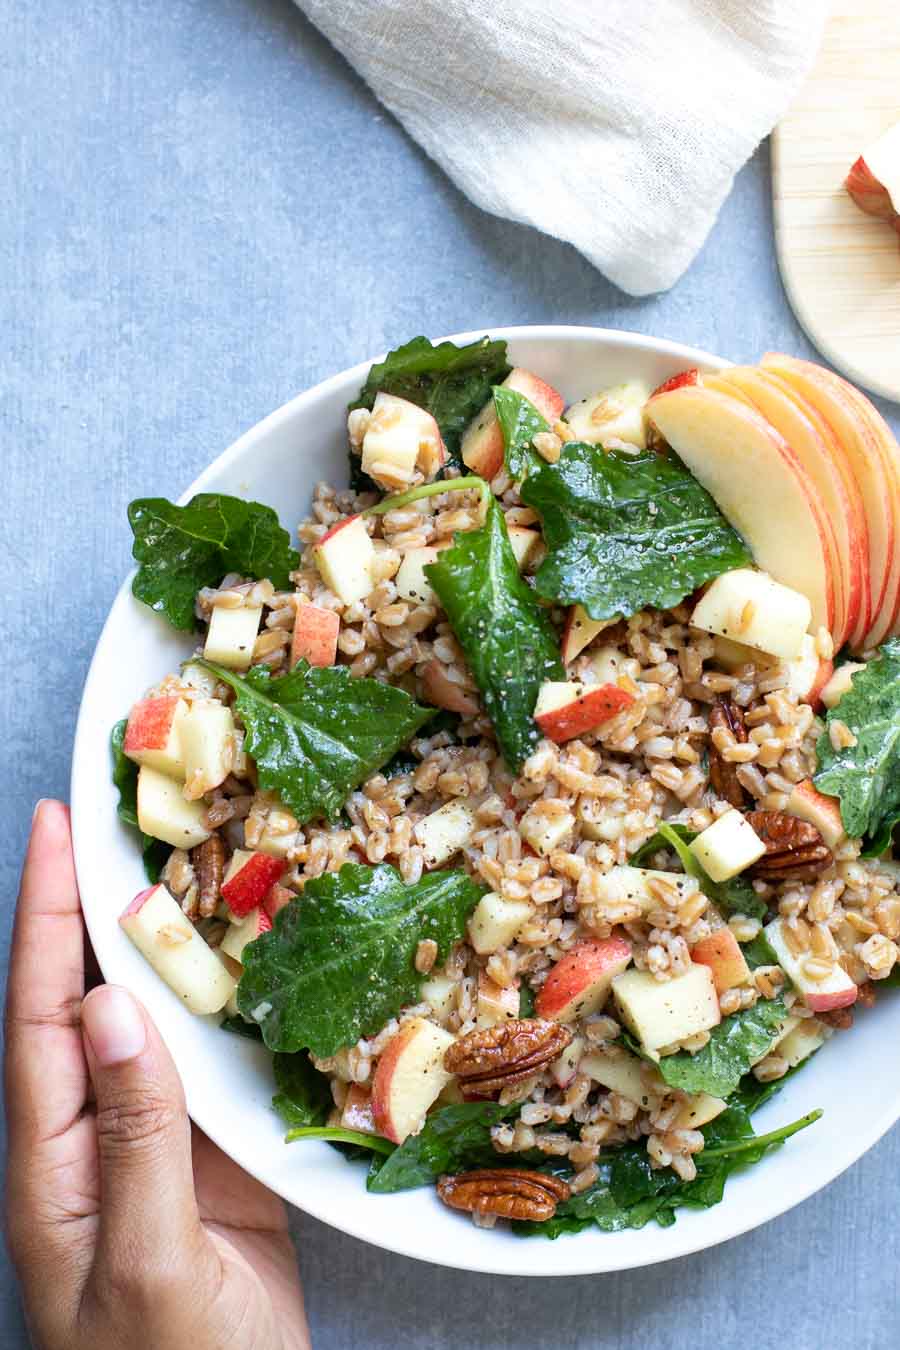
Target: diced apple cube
point(807, 803)
point(231, 636)
point(249, 879)
point(439, 690)
point(207, 742)
point(357, 1111)
point(482, 442)
point(166, 937)
point(153, 734)
point(409, 1077)
point(808, 674)
point(345, 557)
point(564, 1069)
point(253, 925)
point(580, 630)
point(411, 582)
point(840, 683)
point(663, 1012)
point(445, 831)
point(641, 886)
point(399, 437)
point(280, 834)
point(566, 709)
point(580, 981)
point(495, 1002)
point(621, 1072)
point(727, 846)
point(749, 607)
point(734, 655)
point(802, 1041)
point(525, 543)
point(616, 414)
point(699, 1110)
point(494, 922)
point(545, 826)
point(164, 813)
point(439, 992)
point(837, 990)
point(199, 678)
point(608, 665)
point(721, 951)
point(315, 635)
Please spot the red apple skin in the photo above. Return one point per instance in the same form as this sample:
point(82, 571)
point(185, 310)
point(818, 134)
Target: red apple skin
point(277, 898)
point(137, 904)
point(315, 636)
point(721, 952)
point(869, 194)
point(357, 1113)
point(250, 886)
point(149, 724)
point(483, 453)
point(823, 675)
point(819, 1003)
point(443, 693)
point(336, 529)
point(381, 1081)
point(691, 376)
point(574, 981)
point(594, 708)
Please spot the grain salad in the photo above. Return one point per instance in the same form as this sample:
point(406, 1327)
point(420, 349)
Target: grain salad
point(537, 809)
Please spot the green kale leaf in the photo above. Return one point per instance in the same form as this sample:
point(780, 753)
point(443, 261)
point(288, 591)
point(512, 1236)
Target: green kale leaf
point(453, 1139)
point(178, 549)
point(736, 896)
point(304, 1096)
point(626, 531)
point(125, 775)
point(865, 777)
point(452, 383)
point(236, 1026)
point(733, 1046)
point(340, 962)
point(520, 422)
point(317, 733)
point(506, 635)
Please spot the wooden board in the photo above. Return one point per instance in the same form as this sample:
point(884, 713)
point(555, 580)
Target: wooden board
point(841, 268)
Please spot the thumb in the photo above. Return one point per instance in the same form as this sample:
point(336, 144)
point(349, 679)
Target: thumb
point(148, 1211)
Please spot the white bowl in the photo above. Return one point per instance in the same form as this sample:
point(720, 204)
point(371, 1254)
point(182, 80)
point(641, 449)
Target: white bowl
point(228, 1079)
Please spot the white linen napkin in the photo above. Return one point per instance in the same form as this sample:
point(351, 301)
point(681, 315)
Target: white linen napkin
point(617, 125)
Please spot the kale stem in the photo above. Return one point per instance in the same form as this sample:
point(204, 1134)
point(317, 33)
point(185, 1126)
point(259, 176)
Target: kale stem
point(429, 490)
point(764, 1140)
point(338, 1136)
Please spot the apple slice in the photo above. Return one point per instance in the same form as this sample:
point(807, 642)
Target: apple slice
point(494, 922)
point(840, 683)
point(249, 879)
point(409, 1077)
point(807, 803)
point(750, 608)
point(579, 983)
point(495, 1002)
point(580, 630)
point(439, 689)
point(721, 952)
point(163, 812)
point(564, 1069)
point(400, 438)
point(566, 709)
point(525, 543)
point(874, 179)
point(315, 636)
point(619, 1071)
point(357, 1112)
point(691, 376)
point(152, 736)
point(440, 993)
point(482, 442)
point(663, 1012)
point(345, 558)
point(758, 484)
point(253, 925)
point(445, 831)
point(166, 937)
point(727, 846)
point(411, 582)
point(836, 991)
point(615, 414)
point(207, 742)
point(809, 673)
point(231, 636)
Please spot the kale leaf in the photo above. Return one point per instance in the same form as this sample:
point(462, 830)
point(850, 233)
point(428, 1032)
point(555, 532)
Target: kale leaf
point(236, 1026)
point(733, 1046)
point(520, 422)
point(865, 777)
point(317, 733)
point(736, 896)
point(506, 635)
point(452, 383)
point(125, 776)
point(304, 1096)
point(339, 962)
point(453, 1139)
point(178, 549)
point(626, 531)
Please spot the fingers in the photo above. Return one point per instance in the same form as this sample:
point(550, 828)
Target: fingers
point(148, 1215)
point(46, 1075)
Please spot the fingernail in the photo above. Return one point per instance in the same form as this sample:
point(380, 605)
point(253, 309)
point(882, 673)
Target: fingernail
point(37, 806)
point(113, 1024)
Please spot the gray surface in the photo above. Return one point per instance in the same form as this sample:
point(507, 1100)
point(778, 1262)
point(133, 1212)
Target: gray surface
point(203, 212)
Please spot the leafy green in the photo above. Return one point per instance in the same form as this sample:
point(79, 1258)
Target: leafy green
point(340, 963)
point(736, 896)
point(178, 549)
point(865, 777)
point(733, 1046)
point(361, 1145)
point(626, 531)
point(520, 422)
point(125, 775)
point(304, 1096)
point(453, 1139)
point(236, 1026)
point(526, 1000)
point(317, 733)
point(507, 637)
point(760, 952)
point(452, 383)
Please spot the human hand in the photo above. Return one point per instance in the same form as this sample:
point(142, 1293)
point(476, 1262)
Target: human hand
point(125, 1228)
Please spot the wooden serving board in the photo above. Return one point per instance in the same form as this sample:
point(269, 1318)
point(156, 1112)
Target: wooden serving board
point(841, 268)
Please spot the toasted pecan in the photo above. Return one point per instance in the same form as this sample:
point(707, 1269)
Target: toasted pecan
point(491, 1059)
point(209, 864)
point(508, 1192)
point(723, 775)
point(795, 850)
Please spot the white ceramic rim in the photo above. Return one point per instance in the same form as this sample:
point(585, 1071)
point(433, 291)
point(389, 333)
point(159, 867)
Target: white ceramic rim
point(581, 1257)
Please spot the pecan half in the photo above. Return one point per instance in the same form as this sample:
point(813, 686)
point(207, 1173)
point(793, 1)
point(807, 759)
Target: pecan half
point(508, 1192)
point(209, 864)
point(795, 850)
point(487, 1061)
point(723, 776)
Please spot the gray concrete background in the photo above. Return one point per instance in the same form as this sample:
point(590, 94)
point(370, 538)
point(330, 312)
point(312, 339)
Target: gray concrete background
point(202, 212)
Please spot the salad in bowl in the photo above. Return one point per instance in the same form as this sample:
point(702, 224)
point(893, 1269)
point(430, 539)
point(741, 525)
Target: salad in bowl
point(535, 806)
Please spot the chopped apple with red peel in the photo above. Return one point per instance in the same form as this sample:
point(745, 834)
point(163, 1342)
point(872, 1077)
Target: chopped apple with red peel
point(315, 636)
point(494, 922)
point(439, 689)
point(564, 1069)
point(807, 803)
point(525, 544)
point(749, 607)
point(345, 557)
point(808, 673)
point(615, 415)
point(280, 834)
point(152, 736)
point(164, 813)
point(400, 437)
point(445, 831)
point(579, 983)
point(568, 709)
point(409, 1077)
point(683, 377)
point(249, 879)
point(837, 990)
point(664, 1012)
point(840, 683)
point(207, 742)
point(231, 636)
point(759, 485)
point(252, 926)
point(276, 899)
point(357, 1111)
point(874, 179)
point(579, 631)
point(495, 1002)
point(166, 937)
point(411, 582)
point(482, 442)
point(721, 952)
